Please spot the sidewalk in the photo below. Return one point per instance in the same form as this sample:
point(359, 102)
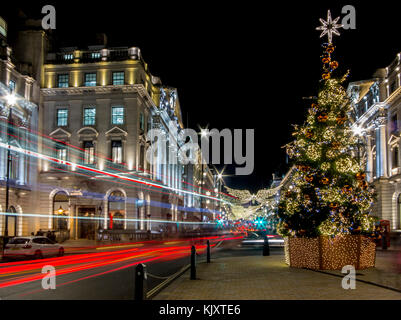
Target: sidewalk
point(268, 278)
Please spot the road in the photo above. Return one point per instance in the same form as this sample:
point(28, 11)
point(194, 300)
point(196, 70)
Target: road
point(107, 273)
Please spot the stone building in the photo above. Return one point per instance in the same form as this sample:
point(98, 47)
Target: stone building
point(87, 165)
point(19, 99)
point(376, 113)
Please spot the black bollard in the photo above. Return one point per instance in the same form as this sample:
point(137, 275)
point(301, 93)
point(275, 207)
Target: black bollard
point(266, 248)
point(193, 263)
point(208, 252)
point(384, 241)
point(140, 277)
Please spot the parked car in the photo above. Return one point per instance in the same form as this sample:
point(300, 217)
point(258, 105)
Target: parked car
point(36, 247)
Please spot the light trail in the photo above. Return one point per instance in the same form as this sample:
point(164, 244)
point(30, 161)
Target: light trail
point(105, 173)
point(114, 167)
point(38, 215)
point(97, 260)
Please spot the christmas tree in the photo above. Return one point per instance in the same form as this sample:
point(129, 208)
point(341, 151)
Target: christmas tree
point(328, 193)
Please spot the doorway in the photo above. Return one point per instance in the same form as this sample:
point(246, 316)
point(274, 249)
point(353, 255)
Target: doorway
point(12, 222)
point(86, 223)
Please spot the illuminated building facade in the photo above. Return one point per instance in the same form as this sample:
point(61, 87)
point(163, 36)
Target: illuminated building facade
point(88, 168)
point(19, 98)
point(98, 105)
point(377, 113)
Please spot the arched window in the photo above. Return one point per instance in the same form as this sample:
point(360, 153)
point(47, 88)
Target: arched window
point(116, 203)
point(60, 211)
point(142, 157)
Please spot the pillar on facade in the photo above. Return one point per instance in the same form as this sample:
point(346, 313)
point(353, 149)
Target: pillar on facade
point(22, 166)
point(381, 146)
point(369, 157)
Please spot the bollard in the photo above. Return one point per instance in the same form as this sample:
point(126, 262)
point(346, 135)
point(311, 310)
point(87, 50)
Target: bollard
point(384, 242)
point(140, 277)
point(208, 252)
point(266, 248)
point(193, 263)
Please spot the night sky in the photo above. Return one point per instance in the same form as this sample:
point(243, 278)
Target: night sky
point(235, 65)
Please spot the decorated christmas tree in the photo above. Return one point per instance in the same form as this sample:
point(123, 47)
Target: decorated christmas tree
point(328, 193)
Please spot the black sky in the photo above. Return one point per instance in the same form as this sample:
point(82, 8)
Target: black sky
point(244, 65)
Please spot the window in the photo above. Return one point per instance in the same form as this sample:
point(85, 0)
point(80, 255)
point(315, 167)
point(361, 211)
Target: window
point(118, 78)
point(68, 56)
point(62, 117)
point(116, 151)
point(393, 86)
point(117, 115)
point(395, 158)
point(89, 150)
point(61, 152)
point(394, 124)
point(11, 85)
point(141, 121)
point(90, 79)
point(63, 81)
point(89, 116)
point(39, 240)
point(19, 241)
point(95, 55)
point(14, 166)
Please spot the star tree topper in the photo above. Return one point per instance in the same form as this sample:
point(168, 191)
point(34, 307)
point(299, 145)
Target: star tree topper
point(329, 27)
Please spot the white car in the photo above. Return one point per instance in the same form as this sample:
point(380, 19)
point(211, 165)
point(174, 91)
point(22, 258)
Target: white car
point(35, 247)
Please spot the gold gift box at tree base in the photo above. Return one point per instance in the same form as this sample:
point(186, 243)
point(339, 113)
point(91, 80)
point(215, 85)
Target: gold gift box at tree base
point(326, 253)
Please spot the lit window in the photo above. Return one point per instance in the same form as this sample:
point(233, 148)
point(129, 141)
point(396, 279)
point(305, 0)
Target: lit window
point(90, 79)
point(89, 150)
point(117, 115)
point(116, 151)
point(11, 85)
point(68, 56)
point(95, 55)
point(63, 80)
point(62, 117)
point(89, 116)
point(14, 166)
point(118, 78)
point(61, 152)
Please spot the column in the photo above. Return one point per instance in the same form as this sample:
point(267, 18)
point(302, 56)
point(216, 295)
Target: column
point(369, 162)
point(22, 166)
point(381, 146)
point(383, 150)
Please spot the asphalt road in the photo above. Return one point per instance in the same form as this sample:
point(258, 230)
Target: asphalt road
point(109, 274)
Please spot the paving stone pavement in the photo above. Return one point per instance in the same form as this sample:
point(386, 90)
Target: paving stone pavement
point(265, 278)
